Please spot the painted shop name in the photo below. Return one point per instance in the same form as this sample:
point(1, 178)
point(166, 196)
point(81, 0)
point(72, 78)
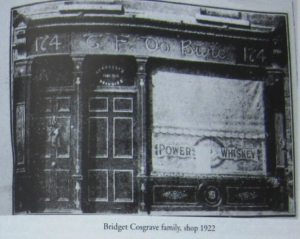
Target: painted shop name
point(133, 44)
point(162, 150)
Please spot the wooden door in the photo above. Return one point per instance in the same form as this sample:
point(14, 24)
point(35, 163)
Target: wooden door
point(109, 152)
point(52, 134)
point(52, 149)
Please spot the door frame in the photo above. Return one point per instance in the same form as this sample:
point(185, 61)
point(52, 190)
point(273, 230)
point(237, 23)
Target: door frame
point(112, 164)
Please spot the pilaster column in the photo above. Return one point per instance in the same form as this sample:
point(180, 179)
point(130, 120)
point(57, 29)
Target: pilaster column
point(142, 163)
point(282, 135)
point(275, 80)
point(77, 176)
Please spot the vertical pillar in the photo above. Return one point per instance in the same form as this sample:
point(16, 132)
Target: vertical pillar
point(142, 162)
point(20, 114)
point(290, 160)
point(27, 108)
point(77, 176)
point(280, 113)
point(275, 81)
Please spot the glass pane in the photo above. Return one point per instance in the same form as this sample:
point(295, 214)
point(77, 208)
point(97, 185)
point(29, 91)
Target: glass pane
point(197, 102)
point(52, 71)
point(64, 104)
point(98, 133)
point(123, 138)
point(204, 125)
point(61, 137)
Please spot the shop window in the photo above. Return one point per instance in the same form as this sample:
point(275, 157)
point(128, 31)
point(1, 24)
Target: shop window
point(52, 71)
point(207, 125)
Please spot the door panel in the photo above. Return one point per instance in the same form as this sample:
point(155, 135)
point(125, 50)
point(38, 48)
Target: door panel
point(123, 137)
point(123, 186)
point(109, 152)
point(98, 185)
point(98, 137)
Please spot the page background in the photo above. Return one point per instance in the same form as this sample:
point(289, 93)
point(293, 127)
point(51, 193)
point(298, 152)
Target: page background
point(92, 225)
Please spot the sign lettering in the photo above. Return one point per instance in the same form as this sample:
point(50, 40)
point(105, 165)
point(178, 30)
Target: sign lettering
point(120, 40)
point(189, 49)
point(190, 151)
point(152, 44)
point(42, 43)
point(110, 75)
point(134, 44)
point(236, 153)
point(89, 41)
point(207, 155)
point(254, 55)
point(174, 150)
point(156, 46)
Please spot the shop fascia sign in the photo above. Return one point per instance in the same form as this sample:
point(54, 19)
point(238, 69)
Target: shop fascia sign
point(109, 43)
point(230, 153)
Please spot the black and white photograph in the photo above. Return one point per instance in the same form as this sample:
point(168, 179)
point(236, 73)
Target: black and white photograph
point(150, 109)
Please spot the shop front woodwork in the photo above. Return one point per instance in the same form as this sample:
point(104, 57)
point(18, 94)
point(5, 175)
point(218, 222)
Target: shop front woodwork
point(118, 112)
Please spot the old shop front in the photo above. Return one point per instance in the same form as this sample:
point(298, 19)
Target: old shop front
point(117, 108)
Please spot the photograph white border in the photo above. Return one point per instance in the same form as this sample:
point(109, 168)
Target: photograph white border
point(92, 225)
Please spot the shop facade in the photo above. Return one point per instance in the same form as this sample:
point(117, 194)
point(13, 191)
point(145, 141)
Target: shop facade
point(140, 107)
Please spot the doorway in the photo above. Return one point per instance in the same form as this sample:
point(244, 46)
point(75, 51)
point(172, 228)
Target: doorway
point(109, 138)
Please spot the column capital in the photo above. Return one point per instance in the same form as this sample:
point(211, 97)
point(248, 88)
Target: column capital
point(78, 60)
point(141, 61)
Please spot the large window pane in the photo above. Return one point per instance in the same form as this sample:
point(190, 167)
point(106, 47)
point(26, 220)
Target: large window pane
point(207, 124)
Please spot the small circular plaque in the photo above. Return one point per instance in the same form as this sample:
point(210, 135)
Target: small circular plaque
point(110, 75)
